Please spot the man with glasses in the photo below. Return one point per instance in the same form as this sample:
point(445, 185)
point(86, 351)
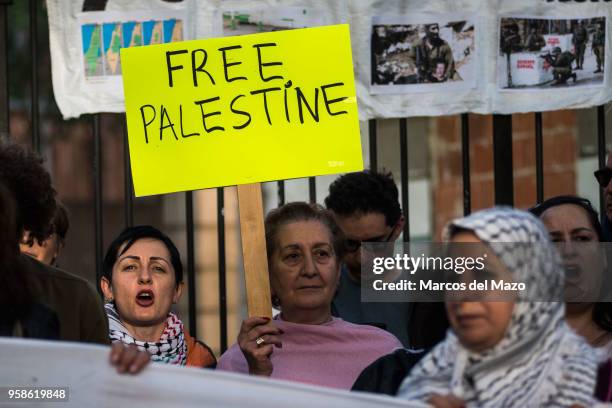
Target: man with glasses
point(366, 207)
point(603, 176)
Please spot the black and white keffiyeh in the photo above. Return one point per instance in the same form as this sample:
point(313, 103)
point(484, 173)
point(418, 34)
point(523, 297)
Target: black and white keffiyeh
point(169, 349)
point(540, 362)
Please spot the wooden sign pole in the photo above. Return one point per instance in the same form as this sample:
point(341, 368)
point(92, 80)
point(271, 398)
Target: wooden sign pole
point(253, 236)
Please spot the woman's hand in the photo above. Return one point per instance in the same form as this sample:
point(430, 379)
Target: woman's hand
point(127, 359)
point(446, 401)
point(260, 330)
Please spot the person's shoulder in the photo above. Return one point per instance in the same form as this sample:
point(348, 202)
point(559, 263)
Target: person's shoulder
point(46, 276)
point(233, 360)
point(198, 353)
point(50, 272)
point(372, 332)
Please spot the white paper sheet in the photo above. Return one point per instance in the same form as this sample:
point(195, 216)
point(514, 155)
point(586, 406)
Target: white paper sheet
point(483, 88)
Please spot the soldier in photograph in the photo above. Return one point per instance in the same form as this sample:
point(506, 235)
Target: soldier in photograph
point(579, 39)
point(562, 65)
point(428, 51)
point(510, 40)
point(598, 45)
point(534, 41)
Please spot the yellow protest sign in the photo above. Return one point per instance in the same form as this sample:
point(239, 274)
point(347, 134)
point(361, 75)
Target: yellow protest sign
point(238, 110)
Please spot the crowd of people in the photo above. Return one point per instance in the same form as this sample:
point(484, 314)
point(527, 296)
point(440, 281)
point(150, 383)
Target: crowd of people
point(462, 352)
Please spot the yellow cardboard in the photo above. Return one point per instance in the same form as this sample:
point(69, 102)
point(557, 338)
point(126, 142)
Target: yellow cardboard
point(196, 110)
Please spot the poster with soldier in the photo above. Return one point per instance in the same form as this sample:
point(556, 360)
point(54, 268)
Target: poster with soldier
point(536, 53)
point(409, 54)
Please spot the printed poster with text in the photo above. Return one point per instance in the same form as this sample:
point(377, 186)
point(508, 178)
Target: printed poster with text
point(238, 110)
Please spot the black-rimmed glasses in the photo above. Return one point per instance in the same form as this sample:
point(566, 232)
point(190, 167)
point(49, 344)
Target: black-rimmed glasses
point(603, 176)
point(353, 245)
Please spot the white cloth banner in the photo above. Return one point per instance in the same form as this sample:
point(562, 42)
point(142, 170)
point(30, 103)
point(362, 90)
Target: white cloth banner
point(92, 382)
point(84, 45)
point(478, 59)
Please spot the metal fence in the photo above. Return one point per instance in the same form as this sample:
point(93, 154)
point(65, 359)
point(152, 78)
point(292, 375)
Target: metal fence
point(502, 157)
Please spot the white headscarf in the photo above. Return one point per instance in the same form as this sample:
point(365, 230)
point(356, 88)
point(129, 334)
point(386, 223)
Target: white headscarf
point(540, 361)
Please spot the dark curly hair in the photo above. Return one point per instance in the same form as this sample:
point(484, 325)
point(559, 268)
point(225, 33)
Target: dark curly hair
point(15, 294)
point(365, 192)
point(22, 172)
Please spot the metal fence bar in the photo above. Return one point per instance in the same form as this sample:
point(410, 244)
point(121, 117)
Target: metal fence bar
point(312, 189)
point(222, 270)
point(403, 125)
point(601, 152)
point(281, 192)
point(4, 80)
point(191, 278)
point(97, 175)
point(502, 159)
point(465, 154)
point(128, 205)
point(539, 157)
point(34, 66)
point(373, 146)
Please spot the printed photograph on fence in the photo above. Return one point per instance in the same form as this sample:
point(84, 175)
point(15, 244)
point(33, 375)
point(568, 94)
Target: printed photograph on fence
point(541, 53)
point(103, 34)
point(260, 20)
point(409, 54)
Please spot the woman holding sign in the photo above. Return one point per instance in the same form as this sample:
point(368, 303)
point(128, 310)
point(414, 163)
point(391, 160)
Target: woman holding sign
point(142, 279)
point(304, 343)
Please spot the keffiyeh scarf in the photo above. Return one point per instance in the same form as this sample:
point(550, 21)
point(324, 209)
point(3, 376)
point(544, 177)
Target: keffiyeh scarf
point(540, 362)
point(169, 349)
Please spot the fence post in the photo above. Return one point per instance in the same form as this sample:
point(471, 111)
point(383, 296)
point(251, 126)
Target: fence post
point(502, 159)
point(4, 81)
point(465, 159)
point(34, 67)
point(601, 152)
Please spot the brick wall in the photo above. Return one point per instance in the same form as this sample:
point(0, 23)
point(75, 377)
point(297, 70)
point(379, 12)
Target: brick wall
point(559, 143)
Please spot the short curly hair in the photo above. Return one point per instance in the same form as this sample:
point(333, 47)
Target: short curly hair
point(23, 174)
point(365, 192)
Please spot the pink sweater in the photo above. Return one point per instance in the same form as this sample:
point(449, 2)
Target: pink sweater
point(332, 354)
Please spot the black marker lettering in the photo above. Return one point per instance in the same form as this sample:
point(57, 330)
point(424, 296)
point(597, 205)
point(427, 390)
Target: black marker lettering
point(330, 101)
point(200, 67)
point(301, 97)
point(173, 68)
point(239, 112)
point(164, 114)
point(287, 86)
point(204, 116)
point(266, 64)
point(183, 135)
point(265, 99)
point(226, 65)
point(144, 122)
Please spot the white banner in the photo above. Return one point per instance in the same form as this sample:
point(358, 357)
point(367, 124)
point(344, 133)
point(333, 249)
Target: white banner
point(411, 57)
point(85, 45)
point(92, 382)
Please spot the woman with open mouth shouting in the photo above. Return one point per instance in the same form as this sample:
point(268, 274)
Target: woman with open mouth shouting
point(142, 277)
